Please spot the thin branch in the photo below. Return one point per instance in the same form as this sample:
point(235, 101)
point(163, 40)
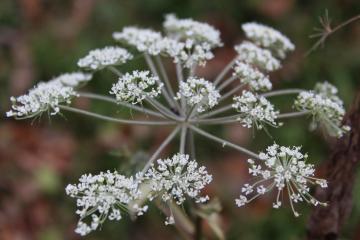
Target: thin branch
point(180, 78)
point(183, 138)
point(227, 82)
point(112, 100)
point(327, 31)
point(224, 142)
point(117, 120)
point(220, 120)
point(152, 67)
point(166, 81)
point(216, 111)
point(159, 150)
point(163, 110)
point(231, 92)
point(282, 92)
point(115, 71)
point(224, 71)
point(292, 114)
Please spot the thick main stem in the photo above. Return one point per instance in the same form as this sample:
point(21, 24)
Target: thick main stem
point(224, 142)
point(117, 120)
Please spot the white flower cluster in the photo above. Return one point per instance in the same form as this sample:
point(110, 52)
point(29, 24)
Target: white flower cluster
point(198, 93)
point(144, 40)
point(326, 111)
point(100, 58)
point(107, 195)
point(103, 196)
point(194, 40)
point(254, 55)
point(256, 80)
point(328, 90)
point(188, 42)
point(282, 168)
point(188, 29)
point(74, 79)
point(136, 86)
point(44, 97)
point(255, 110)
point(268, 37)
point(178, 177)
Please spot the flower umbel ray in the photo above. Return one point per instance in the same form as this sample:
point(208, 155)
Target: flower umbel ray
point(282, 169)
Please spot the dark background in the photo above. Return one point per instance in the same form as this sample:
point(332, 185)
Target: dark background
point(40, 39)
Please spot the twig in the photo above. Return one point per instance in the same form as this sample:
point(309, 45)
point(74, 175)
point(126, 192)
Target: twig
point(327, 31)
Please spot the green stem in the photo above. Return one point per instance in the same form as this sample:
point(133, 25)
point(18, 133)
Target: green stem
point(282, 92)
point(160, 149)
point(224, 142)
point(293, 114)
point(167, 81)
point(152, 67)
point(224, 71)
point(112, 100)
point(117, 120)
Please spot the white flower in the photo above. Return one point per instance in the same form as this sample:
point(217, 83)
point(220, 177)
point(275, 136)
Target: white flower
point(328, 90)
point(103, 196)
point(44, 97)
point(144, 40)
point(100, 58)
point(184, 29)
point(255, 110)
point(325, 110)
point(198, 93)
point(74, 79)
point(268, 37)
point(254, 55)
point(247, 74)
point(135, 87)
point(195, 40)
point(178, 177)
point(282, 168)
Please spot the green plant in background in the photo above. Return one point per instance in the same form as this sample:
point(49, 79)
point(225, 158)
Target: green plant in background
point(192, 103)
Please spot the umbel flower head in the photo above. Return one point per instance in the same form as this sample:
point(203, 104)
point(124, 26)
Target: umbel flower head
point(188, 29)
point(195, 39)
point(44, 97)
point(144, 40)
point(136, 86)
point(101, 58)
point(178, 177)
point(328, 90)
point(269, 38)
point(256, 80)
point(283, 169)
point(199, 93)
point(74, 79)
point(259, 57)
point(103, 196)
point(325, 110)
point(255, 110)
